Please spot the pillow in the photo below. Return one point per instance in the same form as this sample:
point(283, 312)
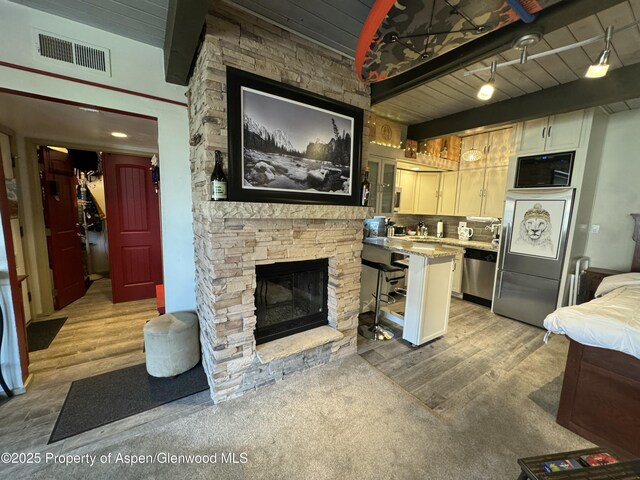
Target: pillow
point(616, 281)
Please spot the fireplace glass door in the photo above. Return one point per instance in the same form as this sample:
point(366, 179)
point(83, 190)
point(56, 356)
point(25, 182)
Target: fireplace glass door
point(290, 297)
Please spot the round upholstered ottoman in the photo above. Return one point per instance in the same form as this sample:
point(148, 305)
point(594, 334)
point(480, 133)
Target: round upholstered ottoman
point(172, 343)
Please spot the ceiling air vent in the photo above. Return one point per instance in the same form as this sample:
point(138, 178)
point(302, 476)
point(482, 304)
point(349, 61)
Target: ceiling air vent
point(72, 52)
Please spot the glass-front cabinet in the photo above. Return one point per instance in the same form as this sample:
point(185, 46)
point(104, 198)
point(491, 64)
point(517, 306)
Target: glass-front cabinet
point(382, 174)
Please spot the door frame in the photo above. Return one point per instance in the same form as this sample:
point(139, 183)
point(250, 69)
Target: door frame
point(43, 283)
point(16, 297)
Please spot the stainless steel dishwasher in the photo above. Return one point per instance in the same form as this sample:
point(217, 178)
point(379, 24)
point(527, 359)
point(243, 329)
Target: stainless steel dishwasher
point(478, 275)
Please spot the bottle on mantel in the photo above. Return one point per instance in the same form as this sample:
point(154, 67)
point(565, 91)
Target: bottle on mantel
point(366, 189)
point(218, 179)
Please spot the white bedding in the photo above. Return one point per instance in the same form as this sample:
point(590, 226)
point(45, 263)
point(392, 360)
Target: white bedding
point(611, 321)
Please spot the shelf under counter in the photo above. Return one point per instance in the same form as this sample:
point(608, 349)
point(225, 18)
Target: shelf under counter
point(424, 314)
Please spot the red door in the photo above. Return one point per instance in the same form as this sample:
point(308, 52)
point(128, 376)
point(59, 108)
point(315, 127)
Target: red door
point(61, 219)
point(133, 226)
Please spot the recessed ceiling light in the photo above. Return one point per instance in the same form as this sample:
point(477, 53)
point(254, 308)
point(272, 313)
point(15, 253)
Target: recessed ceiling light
point(59, 149)
point(92, 110)
point(119, 134)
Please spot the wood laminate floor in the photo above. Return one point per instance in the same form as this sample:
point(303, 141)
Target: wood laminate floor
point(448, 372)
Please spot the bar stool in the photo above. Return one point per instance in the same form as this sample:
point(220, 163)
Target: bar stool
point(375, 331)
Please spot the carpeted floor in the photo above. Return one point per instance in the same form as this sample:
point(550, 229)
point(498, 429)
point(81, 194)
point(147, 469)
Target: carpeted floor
point(345, 420)
point(102, 399)
point(41, 334)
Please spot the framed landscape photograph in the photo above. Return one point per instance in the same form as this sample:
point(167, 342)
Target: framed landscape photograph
point(287, 145)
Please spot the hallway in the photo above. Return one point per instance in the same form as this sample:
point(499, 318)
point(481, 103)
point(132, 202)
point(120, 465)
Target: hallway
point(97, 337)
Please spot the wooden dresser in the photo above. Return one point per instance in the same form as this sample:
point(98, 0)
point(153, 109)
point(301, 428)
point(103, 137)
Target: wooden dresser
point(593, 278)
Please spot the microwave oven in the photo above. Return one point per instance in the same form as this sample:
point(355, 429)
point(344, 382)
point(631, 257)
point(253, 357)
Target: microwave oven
point(544, 170)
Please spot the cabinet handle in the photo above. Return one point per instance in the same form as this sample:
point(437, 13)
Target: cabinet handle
point(481, 193)
point(549, 131)
point(543, 130)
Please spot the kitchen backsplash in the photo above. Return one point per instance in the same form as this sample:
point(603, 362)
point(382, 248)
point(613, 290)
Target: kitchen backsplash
point(480, 233)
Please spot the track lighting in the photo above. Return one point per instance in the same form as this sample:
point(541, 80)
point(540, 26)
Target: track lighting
point(486, 91)
point(601, 67)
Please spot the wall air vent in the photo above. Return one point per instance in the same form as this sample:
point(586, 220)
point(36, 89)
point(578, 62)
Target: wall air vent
point(73, 53)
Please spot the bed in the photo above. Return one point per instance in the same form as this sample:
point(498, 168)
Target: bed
point(600, 397)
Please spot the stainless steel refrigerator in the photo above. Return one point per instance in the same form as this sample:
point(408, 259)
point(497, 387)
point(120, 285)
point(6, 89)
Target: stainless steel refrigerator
point(532, 252)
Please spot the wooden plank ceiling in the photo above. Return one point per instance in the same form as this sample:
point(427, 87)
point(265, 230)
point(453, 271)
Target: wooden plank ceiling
point(332, 23)
point(456, 93)
point(141, 20)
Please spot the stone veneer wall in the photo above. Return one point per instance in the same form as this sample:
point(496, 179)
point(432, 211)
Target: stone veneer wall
point(230, 238)
point(239, 40)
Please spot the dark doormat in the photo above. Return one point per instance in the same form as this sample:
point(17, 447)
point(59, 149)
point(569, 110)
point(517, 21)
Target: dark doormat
point(96, 401)
point(41, 334)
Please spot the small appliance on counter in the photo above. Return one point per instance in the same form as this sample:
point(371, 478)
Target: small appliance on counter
point(375, 227)
point(400, 230)
point(422, 230)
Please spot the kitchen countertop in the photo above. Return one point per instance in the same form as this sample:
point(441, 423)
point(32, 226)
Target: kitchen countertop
point(454, 242)
point(409, 247)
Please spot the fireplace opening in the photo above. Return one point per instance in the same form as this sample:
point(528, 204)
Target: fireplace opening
point(290, 297)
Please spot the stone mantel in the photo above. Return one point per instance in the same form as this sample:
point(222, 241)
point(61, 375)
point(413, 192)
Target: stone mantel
point(252, 210)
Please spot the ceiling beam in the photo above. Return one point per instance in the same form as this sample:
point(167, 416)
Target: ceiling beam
point(620, 84)
point(493, 43)
point(185, 20)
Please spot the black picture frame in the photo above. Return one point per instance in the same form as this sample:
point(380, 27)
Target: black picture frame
point(244, 169)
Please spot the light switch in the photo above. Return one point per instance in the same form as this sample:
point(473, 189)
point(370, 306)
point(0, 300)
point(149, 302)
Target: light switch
point(595, 228)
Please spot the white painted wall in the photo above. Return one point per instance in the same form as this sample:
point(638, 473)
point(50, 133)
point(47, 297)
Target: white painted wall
point(137, 67)
point(134, 65)
point(617, 194)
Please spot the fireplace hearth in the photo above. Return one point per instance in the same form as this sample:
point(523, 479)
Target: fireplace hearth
point(290, 297)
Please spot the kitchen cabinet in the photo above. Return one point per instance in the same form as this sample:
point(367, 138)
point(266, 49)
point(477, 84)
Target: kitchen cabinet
point(427, 193)
point(554, 133)
point(499, 148)
point(495, 186)
point(475, 142)
point(406, 187)
point(382, 173)
point(470, 189)
point(456, 285)
point(481, 192)
point(495, 147)
point(445, 147)
point(447, 193)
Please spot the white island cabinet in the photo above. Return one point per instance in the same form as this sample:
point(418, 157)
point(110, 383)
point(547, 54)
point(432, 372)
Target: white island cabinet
point(424, 314)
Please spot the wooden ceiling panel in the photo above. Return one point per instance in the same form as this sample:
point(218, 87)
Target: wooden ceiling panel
point(625, 43)
point(144, 21)
point(400, 112)
point(555, 66)
point(577, 59)
point(617, 107)
point(633, 103)
point(473, 84)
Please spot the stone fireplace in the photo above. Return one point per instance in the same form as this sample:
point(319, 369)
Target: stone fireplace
point(233, 238)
